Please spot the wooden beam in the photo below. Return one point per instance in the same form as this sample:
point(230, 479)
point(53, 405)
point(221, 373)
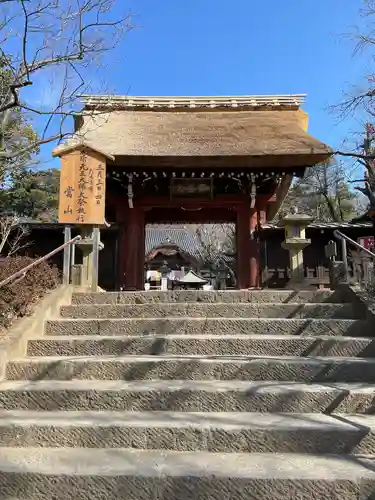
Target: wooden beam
point(177, 215)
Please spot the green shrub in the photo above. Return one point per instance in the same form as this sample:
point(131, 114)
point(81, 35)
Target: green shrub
point(18, 298)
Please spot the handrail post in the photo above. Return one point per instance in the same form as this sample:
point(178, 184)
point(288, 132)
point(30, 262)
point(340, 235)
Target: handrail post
point(344, 251)
point(66, 260)
point(73, 255)
point(95, 259)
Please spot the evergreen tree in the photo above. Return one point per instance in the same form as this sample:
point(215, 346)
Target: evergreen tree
point(32, 195)
point(24, 192)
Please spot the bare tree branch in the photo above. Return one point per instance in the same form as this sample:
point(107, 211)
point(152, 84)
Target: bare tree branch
point(25, 40)
point(66, 39)
point(33, 146)
point(12, 235)
point(17, 241)
point(362, 156)
point(13, 88)
point(215, 240)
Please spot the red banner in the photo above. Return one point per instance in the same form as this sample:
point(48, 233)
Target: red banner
point(367, 241)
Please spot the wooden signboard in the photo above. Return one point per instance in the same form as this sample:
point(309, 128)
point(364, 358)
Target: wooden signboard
point(82, 188)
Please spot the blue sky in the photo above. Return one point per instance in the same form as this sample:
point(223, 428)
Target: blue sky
point(216, 47)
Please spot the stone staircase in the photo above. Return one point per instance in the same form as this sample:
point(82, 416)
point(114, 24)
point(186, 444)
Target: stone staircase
point(193, 395)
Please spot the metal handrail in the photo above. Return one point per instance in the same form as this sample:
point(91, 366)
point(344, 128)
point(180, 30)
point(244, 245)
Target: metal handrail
point(22, 272)
point(342, 236)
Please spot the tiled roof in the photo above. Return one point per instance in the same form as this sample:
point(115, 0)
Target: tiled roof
point(185, 239)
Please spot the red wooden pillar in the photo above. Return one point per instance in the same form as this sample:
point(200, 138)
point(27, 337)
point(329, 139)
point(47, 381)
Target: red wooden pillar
point(254, 251)
point(262, 220)
point(141, 251)
point(121, 256)
point(243, 247)
point(132, 248)
point(120, 220)
point(262, 217)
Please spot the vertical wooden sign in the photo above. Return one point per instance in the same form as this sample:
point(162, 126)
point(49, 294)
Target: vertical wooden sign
point(82, 187)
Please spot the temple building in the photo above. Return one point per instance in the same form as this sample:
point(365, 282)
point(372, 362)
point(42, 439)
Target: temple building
point(178, 246)
point(151, 160)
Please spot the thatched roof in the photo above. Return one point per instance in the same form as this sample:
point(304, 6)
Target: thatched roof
point(241, 131)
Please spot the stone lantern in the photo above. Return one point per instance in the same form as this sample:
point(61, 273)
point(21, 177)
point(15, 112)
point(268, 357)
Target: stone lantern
point(221, 275)
point(295, 241)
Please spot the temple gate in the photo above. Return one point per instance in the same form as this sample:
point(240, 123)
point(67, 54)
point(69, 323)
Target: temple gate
point(138, 160)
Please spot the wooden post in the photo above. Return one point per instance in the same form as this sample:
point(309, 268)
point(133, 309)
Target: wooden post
point(121, 245)
point(254, 251)
point(243, 247)
point(66, 260)
point(130, 250)
point(95, 259)
point(121, 257)
point(133, 249)
point(141, 251)
point(86, 247)
point(72, 255)
point(90, 246)
point(344, 253)
point(77, 274)
point(262, 216)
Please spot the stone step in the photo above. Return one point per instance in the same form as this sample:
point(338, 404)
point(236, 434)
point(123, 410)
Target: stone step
point(183, 431)
point(259, 345)
point(230, 296)
point(187, 395)
point(113, 474)
point(252, 368)
point(217, 310)
point(210, 326)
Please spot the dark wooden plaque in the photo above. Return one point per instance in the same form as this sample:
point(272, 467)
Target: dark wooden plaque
point(191, 188)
